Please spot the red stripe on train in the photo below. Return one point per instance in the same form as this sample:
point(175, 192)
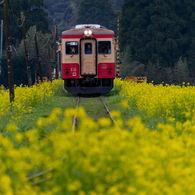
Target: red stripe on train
point(104, 36)
point(72, 36)
point(80, 36)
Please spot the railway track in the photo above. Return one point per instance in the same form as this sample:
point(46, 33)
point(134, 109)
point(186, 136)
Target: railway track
point(105, 106)
point(41, 174)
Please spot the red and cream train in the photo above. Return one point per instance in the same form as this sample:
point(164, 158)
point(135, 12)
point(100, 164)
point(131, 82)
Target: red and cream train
point(88, 57)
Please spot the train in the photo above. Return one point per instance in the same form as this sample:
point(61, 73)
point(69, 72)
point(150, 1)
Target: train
point(88, 59)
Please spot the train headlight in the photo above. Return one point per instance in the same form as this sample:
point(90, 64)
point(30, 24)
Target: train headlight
point(87, 33)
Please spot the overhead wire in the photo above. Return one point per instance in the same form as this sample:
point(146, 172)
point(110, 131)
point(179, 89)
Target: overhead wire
point(19, 26)
point(2, 2)
point(53, 34)
point(46, 42)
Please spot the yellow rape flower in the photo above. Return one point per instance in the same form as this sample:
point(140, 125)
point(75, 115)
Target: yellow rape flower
point(70, 112)
point(41, 122)
point(12, 127)
point(81, 112)
point(19, 137)
point(57, 111)
point(119, 122)
point(115, 113)
point(124, 104)
point(171, 119)
point(179, 126)
point(32, 135)
point(187, 114)
point(104, 122)
point(74, 186)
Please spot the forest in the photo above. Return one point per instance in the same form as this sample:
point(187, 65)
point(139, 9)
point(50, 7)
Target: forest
point(157, 38)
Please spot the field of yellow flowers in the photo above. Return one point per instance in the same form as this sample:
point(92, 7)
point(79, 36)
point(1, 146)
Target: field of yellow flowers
point(98, 158)
point(26, 98)
point(171, 102)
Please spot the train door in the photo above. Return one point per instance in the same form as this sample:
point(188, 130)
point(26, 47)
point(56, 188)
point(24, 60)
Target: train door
point(88, 57)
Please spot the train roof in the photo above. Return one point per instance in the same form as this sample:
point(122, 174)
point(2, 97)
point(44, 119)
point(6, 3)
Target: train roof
point(88, 26)
point(79, 29)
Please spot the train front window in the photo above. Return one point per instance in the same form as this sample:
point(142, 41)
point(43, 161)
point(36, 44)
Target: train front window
point(71, 47)
point(88, 48)
point(104, 47)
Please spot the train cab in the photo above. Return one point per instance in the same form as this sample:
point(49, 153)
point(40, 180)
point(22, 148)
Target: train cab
point(88, 57)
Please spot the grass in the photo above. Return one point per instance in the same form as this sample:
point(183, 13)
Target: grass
point(92, 104)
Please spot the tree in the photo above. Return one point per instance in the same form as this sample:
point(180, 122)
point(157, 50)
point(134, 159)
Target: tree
point(155, 73)
point(158, 30)
point(168, 77)
point(65, 13)
point(181, 73)
point(97, 12)
point(56, 10)
point(117, 4)
point(130, 67)
point(125, 68)
point(34, 12)
point(69, 17)
point(18, 60)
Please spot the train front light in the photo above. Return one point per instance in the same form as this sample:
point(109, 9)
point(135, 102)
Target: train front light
point(87, 33)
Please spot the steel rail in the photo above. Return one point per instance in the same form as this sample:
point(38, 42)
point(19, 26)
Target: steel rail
point(109, 113)
point(39, 175)
point(73, 127)
point(75, 117)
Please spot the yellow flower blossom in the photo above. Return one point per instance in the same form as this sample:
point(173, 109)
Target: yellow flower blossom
point(147, 157)
point(104, 122)
point(81, 112)
point(124, 104)
point(41, 122)
point(19, 137)
point(115, 113)
point(11, 127)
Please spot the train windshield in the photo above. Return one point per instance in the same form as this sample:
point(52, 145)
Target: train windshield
point(71, 47)
point(104, 47)
point(88, 48)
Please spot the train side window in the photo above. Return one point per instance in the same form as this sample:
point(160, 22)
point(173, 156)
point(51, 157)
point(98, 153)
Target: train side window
point(71, 47)
point(88, 48)
point(104, 47)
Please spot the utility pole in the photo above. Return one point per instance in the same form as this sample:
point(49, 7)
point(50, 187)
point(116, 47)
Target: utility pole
point(26, 50)
point(59, 56)
point(54, 49)
point(56, 54)
point(49, 64)
point(38, 59)
point(8, 50)
point(118, 53)
point(1, 51)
